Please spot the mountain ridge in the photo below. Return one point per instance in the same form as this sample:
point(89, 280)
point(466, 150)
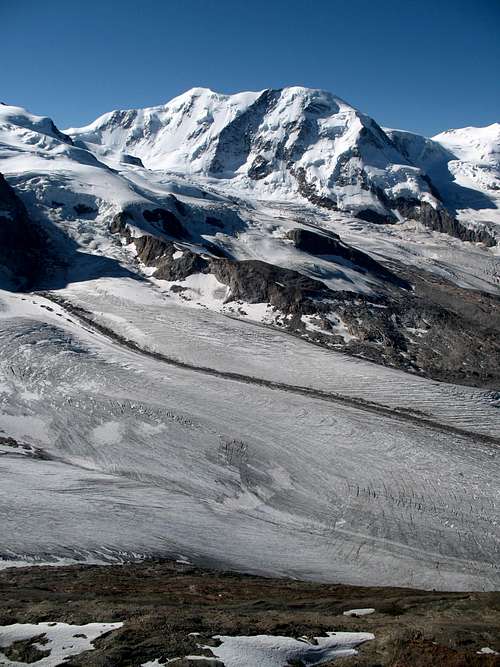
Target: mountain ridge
point(294, 143)
point(296, 211)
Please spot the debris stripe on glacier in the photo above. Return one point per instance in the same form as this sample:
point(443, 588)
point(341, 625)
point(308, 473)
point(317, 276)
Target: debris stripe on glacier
point(378, 501)
point(160, 325)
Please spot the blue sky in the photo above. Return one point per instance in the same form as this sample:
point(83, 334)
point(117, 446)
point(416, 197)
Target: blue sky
point(423, 66)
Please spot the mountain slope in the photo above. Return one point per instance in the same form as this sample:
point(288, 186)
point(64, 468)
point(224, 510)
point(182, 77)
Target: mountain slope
point(293, 143)
point(148, 415)
point(464, 167)
point(276, 143)
point(209, 242)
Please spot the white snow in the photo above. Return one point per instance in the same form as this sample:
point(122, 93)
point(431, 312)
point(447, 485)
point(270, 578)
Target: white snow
point(464, 165)
point(271, 651)
point(487, 651)
point(359, 612)
point(62, 640)
point(187, 136)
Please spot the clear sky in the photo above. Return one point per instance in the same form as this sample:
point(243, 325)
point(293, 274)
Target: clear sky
point(424, 66)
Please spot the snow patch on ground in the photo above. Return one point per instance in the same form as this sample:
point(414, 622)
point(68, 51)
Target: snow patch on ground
point(62, 640)
point(359, 612)
point(269, 651)
point(487, 651)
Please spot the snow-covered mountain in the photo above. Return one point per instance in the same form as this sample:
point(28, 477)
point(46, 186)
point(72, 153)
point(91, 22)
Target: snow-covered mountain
point(288, 207)
point(142, 412)
point(464, 167)
point(289, 143)
point(294, 143)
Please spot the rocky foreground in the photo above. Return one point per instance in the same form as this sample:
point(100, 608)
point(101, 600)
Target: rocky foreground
point(161, 603)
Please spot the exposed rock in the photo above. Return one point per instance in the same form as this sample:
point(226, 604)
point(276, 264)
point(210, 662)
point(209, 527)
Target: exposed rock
point(260, 168)
point(155, 252)
point(308, 191)
point(440, 220)
point(254, 281)
point(83, 209)
point(324, 244)
point(235, 139)
point(119, 226)
point(369, 215)
point(159, 253)
point(21, 242)
point(169, 223)
point(131, 159)
point(416, 321)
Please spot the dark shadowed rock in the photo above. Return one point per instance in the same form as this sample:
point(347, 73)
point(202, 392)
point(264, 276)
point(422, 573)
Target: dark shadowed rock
point(21, 242)
point(169, 223)
point(260, 168)
point(131, 159)
point(440, 220)
point(214, 222)
point(330, 244)
point(83, 209)
point(119, 225)
point(254, 281)
point(369, 215)
point(308, 191)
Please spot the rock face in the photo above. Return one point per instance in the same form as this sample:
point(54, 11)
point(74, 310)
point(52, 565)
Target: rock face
point(329, 244)
point(20, 242)
point(417, 322)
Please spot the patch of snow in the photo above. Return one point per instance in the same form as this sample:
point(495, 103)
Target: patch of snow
point(359, 612)
point(61, 639)
point(270, 651)
point(487, 651)
point(108, 433)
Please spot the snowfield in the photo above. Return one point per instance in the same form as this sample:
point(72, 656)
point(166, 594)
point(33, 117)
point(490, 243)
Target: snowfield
point(58, 640)
point(270, 651)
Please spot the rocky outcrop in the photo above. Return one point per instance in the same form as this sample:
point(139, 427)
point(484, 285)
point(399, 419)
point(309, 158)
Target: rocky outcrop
point(308, 191)
point(131, 159)
point(376, 218)
point(119, 226)
point(236, 138)
point(254, 281)
point(440, 220)
point(170, 263)
point(416, 321)
point(324, 244)
point(21, 243)
point(167, 222)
